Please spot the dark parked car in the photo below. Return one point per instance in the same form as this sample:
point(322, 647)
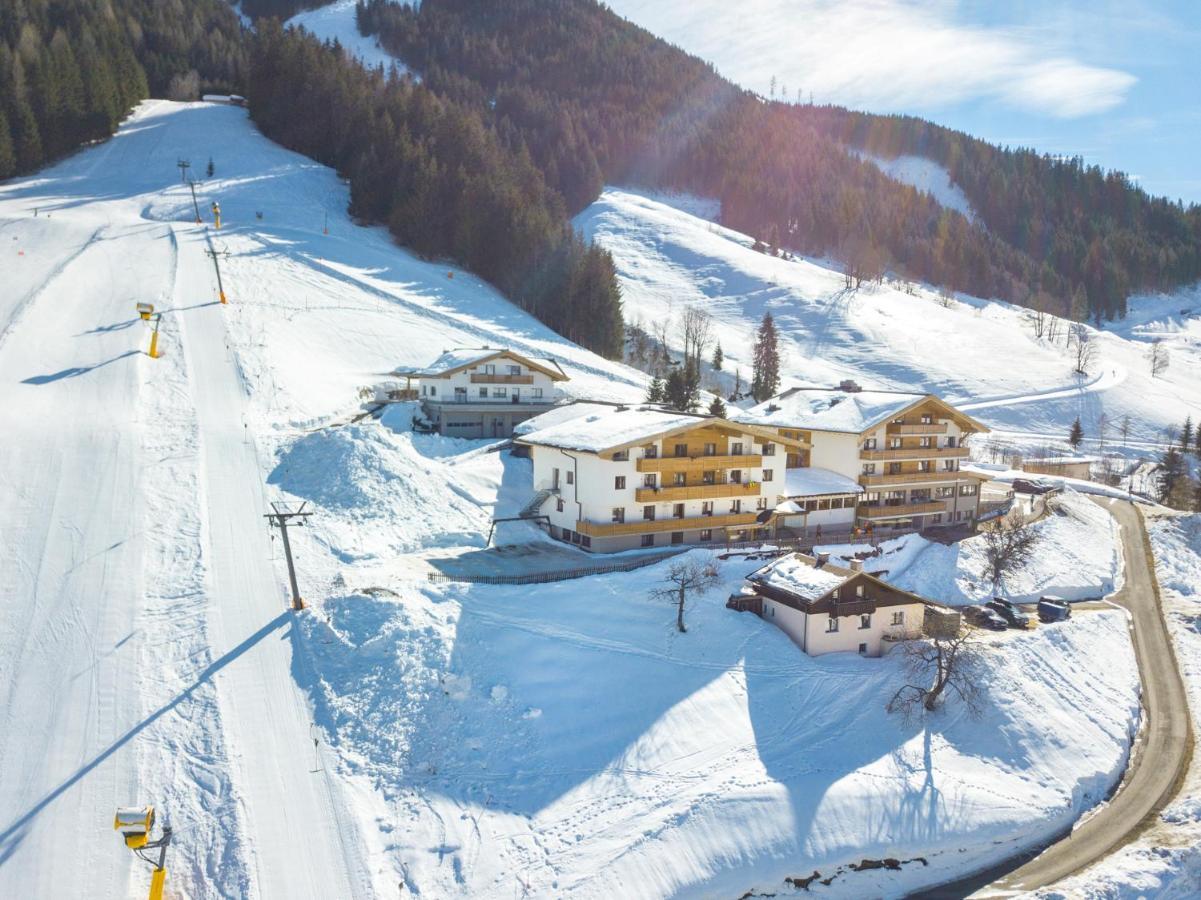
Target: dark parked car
point(1007, 611)
point(1033, 485)
point(1054, 609)
point(984, 617)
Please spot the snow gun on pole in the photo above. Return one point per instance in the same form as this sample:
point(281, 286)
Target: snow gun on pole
point(214, 253)
point(135, 824)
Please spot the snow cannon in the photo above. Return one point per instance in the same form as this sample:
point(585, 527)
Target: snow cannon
point(134, 823)
point(145, 310)
point(216, 215)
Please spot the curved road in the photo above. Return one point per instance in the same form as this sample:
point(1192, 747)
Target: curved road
point(1159, 758)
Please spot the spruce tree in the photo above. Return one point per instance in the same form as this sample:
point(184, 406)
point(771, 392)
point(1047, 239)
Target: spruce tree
point(718, 358)
point(717, 407)
point(765, 371)
point(210, 168)
point(1186, 434)
point(655, 392)
point(1076, 435)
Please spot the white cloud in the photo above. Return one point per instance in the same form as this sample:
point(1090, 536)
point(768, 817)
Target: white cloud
point(882, 54)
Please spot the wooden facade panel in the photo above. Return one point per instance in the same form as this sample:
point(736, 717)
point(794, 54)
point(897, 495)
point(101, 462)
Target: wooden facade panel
point(643, 526)
point(908, 509)
point(502, 379)
point(670, 492)
point(701, 463)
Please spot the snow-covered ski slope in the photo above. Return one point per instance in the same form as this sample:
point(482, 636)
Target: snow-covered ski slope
point(145, 651)
point(983, 354)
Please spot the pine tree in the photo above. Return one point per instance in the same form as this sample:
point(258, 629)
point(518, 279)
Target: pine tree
point(1186, 434)
point(717, 407)
point(8, 155)
point(1173, 475)
point(683, 389)
point(1076, 435)
point(765, 372)
point(655, 392)
point(718, 358)
point(210, 168)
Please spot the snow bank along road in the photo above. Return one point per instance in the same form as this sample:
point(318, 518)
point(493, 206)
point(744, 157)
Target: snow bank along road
point(1158, 761)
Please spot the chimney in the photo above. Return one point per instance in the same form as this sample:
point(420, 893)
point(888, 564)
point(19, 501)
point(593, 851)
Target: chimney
point(822, 559)
point(856, 565)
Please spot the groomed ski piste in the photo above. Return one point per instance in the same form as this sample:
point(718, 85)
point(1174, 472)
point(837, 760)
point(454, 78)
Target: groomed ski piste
point(398, 737)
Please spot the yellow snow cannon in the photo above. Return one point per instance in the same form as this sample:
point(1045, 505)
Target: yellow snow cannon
point(145, 311)
point(134, 823)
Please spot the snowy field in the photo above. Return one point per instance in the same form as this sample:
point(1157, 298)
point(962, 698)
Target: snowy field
point(1165, 863)
point(982, 354)
point(336, 22)
point(559, 740)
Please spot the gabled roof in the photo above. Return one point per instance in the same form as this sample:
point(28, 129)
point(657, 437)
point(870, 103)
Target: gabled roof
point(811, 481)
point(798, 579)
point(605, 428)
point(561, 414)
point(460, 358)
point(847, 412)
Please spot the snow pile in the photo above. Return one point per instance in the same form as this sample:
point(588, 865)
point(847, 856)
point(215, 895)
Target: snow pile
point(1165, 863)
point(1079, 556)
point(565, 740)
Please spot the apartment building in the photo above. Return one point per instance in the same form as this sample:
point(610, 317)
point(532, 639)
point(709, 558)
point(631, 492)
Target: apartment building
point(611, 477)
point(483, 392)
point(827, 609)
point(903, 450)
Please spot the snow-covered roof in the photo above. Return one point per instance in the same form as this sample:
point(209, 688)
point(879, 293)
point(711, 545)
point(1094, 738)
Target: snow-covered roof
point(560, 414)
point(829, 409)
point(1060, 460)
point(800, 577)
point(462, 357)
point(811, 481)
point(611, 426)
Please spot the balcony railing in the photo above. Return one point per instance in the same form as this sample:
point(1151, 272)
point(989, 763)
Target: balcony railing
point(916, 453)
point(908, 478)
point(902, 510)
point(669, 492)
point(853, 607)
point(502, 379)
point(918, 428)
point(644, 526)
point(702, 463)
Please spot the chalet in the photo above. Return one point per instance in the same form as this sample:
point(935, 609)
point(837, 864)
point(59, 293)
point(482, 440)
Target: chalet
point(826, 609)
point(901, 450)
point(611, 477)
point(483, 392)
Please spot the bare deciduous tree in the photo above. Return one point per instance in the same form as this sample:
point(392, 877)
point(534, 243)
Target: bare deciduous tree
point(1157, 356)
point(1082, 348)
point(683, 576)
point(697, 327)
point(1009, 543)
point(937, 667)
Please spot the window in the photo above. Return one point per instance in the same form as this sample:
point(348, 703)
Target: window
point(736, 506)
point(967, 490)
point(761, 503)
point(865, 621)
point(767, 474)
point(894, 443)
point(483, 392)
point(586, 541)
point(650, 451)
point(810, 506)
point(736, 448)
point(621, 455)
point(514, 370)
point(677, 511)
point(823, 504)
point(709, 477)
point(869, 468)
point(925, 465)
point(648, 512)
point(677, 537)
point(537, 392)
point(619, 483)
point(680, 479)
point(898, 618)
point(500, 392)
point(863, 649)
point(831, 625)
point(648, 540)
point(736, 476)
point(707, 508)
point(681, 449)
point(433, 390)
point(858, 590)
point(925, 442)
point(648, 480)
point(710, 449)
point(945, 491)
point(490, 369)
point(869, 444)
point(950, 465)
point(769, 449)
point(619, 514)
point(835, 503)
point(706, 534)
point(570, 477)
point(927, 419)
point(559, 504)
point(951, 441)
point(894, 468)
point(423, 390)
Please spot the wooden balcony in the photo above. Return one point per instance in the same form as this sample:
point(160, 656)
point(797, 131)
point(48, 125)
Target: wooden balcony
point(918, 428)
point(702, 463)
point(902, 511)
point(855, 607)
point(908, 478)
point(502, 379)
point(643, 526)
point(916, 453)
point(672, 492)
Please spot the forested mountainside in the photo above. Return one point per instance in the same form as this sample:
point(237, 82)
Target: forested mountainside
point(71, 69)
point(596, 98)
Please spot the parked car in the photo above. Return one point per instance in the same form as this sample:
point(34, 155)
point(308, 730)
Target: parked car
point(1033, 485)
point(1009, 612)
point(984, 617)
point(1053, 609)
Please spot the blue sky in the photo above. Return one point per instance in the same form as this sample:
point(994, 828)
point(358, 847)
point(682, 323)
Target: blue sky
point(1118, 83)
